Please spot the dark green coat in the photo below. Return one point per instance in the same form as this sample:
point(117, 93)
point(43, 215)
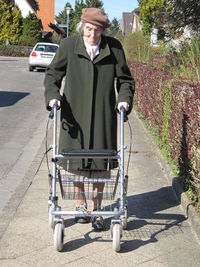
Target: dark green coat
point(88, 104)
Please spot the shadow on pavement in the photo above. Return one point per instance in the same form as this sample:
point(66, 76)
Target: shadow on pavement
point(76, 244)
point(147, 222)
point(8, 60)
point(8, 98)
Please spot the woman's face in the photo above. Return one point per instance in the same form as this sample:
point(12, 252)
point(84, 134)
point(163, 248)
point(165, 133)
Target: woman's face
point(92, 33)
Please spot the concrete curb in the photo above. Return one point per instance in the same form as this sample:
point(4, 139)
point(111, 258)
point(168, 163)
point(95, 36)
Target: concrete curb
point(25, 169)
point(187, 206)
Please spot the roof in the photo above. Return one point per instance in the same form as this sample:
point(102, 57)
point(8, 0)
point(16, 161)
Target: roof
point(136, 11)
point(33, 4)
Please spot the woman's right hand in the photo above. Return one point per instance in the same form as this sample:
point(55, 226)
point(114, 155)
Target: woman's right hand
point(53, 102)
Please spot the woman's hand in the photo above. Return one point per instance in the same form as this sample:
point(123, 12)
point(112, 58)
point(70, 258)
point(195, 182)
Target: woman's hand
point(123, 104)
point(53, 102)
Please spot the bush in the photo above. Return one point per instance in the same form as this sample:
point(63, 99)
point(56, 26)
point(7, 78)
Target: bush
point(137, 47)
point(14, 51)
point(171, 107)
point(190, 59)
point(182, 62)
point(32, 30)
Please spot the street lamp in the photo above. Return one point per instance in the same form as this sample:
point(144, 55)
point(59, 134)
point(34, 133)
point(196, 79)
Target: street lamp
point(68, 9)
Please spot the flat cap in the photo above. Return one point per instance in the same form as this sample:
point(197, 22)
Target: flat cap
point(95, 16)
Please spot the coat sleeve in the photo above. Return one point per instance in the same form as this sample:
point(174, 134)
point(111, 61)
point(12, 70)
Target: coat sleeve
point(55, 73)
point(125, 82)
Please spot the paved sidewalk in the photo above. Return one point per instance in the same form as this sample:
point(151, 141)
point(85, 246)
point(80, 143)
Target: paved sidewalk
point(159, 234)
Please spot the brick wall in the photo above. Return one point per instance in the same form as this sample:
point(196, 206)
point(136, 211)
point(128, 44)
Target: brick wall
point(46, 12)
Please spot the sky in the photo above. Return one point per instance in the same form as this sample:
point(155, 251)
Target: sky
point(113, 8)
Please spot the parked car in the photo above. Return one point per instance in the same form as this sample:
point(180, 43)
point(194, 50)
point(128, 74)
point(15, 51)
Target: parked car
point(41, 55)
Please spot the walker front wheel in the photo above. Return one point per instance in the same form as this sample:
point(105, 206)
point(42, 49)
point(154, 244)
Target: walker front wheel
point(116, 232)
point(58, 236)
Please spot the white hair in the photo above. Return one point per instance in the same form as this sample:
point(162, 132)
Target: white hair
point(80, 25)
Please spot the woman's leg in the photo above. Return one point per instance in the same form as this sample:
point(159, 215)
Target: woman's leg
point(97, 196)
point(98, 221)
point(79, 194)
point(81, 203)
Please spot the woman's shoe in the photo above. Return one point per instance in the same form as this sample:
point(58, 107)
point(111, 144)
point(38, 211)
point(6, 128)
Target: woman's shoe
point(98, 223)
point(82, 219)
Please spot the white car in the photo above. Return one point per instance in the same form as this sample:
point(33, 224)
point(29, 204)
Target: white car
point(42, 55)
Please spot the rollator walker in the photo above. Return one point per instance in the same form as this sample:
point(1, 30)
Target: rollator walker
point(114, 192)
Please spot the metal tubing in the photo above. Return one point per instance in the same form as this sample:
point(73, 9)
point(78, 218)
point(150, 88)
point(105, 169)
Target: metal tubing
point(122, 159)
point(59, 156)
point(116, 213)
point(54, 150)
point(89, 213)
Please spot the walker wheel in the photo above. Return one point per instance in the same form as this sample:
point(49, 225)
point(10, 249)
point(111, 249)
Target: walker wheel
point(116, 232)
point(58, 236)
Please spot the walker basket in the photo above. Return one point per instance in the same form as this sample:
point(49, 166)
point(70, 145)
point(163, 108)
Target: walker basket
point(68, 181)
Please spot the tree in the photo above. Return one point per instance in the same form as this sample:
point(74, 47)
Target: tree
point(32, 30)
point(115, 27)
point(62, 16)
point(16, 26)
point(170, 17)
point(10, 22)
point(185, 13)
point(79, 5)
point(94, 3)
point(153, 13)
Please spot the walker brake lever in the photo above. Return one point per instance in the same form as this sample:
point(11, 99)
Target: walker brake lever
point(51, 114)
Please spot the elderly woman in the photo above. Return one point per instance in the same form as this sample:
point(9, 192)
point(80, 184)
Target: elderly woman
point(90, 62)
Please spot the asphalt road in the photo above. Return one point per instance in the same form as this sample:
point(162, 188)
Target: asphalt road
point(22, 118)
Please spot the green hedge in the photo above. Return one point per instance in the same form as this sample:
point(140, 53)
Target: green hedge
point(171, 108)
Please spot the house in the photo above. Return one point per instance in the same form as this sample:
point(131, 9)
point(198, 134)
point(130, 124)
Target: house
point(137, 25)
point(46, 12)
point(126, 22)
point(130, 22)
point(44, 9)
point(26, 6)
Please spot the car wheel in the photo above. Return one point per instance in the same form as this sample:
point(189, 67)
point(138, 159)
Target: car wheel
point(31, 68)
